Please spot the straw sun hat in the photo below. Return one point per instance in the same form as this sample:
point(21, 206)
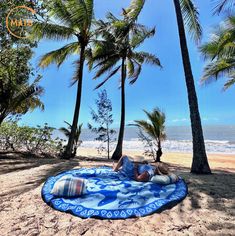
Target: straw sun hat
point(161, 168)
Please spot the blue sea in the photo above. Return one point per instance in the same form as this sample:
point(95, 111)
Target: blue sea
point(218, 139)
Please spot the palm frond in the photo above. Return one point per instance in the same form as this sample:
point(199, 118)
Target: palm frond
point(145, 57)
point(146, 127)
point(81, 14)
point(26, 98)
point(90, 11)
point(106, 67)
point(217, 69)
point(223, 6)
point(229, 83)
point(58, 56)
point(112, 73)
point(222, 44)
point(191, 19)
point(133, 11)
point(130, 67)
point(140, 36)
point(51, 31)
point(60, 12)
point(65, 131)
point(136, 73)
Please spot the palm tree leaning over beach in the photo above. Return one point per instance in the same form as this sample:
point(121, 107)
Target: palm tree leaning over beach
point(221, 53)
point(116, 51)
point(187, 14)
point(73, 21)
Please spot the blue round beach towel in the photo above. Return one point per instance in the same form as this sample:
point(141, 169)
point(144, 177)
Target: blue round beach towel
point(113, 195)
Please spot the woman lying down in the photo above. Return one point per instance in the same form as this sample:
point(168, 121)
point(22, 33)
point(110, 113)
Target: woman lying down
point(134, 168)
point(139, 170)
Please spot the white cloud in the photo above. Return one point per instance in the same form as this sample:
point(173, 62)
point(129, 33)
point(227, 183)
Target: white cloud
point(180, 120)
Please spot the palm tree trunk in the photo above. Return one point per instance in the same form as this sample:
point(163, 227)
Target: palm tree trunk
point(200, 163)
point(159, 152)
point(118, 151)
point(108, 139)
point(69, 147)
point(2, 117)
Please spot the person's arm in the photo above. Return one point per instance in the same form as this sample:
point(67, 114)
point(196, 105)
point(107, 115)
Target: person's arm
point(144, 177)
point(119, 164)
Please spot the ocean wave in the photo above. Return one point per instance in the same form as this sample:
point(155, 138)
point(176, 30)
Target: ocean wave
point(212, 146)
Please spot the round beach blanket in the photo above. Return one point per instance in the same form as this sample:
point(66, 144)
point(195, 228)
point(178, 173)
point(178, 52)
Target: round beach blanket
point(112, 195)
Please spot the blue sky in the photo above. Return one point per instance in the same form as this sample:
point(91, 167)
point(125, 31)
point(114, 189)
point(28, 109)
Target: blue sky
point(164, 88)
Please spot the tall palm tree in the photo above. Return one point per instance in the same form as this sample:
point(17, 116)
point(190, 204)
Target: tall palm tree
point(116, 51)
point(221, 52)
point(154, 128)
point(187, 14)
point(73, 21)
point(67, 132)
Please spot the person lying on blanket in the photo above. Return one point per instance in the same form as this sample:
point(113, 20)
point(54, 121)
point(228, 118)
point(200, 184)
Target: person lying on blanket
point(138, 170)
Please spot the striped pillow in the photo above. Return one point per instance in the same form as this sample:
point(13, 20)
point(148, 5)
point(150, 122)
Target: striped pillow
point(68, 186)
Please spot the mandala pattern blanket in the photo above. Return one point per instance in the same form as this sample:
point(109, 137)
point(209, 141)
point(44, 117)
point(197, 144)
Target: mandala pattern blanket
point(112, 195)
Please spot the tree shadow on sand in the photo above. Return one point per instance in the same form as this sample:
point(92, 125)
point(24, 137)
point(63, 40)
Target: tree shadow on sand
point(209, 193)
point(33, 171)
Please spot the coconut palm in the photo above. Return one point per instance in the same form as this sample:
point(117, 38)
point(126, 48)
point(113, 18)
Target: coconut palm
point(154, 128)
point(116, 52)
point(73, 22)
point(187, 15)
point(67, 131)
point(221, 52)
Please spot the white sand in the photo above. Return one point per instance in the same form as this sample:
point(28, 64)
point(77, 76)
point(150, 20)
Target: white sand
point(209, 208)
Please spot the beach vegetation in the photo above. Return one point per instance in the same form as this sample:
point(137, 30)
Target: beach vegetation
point(104, 118)
point(36, 140)
point(17, 94)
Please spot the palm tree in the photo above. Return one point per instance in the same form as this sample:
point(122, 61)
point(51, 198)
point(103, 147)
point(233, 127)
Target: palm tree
point(187, 14)
point(67, 132)
point(19, 97)
point(221, 51)
point(73, 21)
point(116, 51)
point(155, 128)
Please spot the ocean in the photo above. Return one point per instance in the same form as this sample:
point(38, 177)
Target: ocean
point(218, 139)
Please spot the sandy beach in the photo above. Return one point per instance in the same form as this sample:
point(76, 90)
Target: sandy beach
point(209, 208)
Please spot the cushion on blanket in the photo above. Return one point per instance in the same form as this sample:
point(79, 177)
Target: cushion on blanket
point(68, 186)
point(112, 195)
point(164, 179)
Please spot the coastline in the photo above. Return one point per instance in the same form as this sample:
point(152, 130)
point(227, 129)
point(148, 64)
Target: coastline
point(216, 161)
